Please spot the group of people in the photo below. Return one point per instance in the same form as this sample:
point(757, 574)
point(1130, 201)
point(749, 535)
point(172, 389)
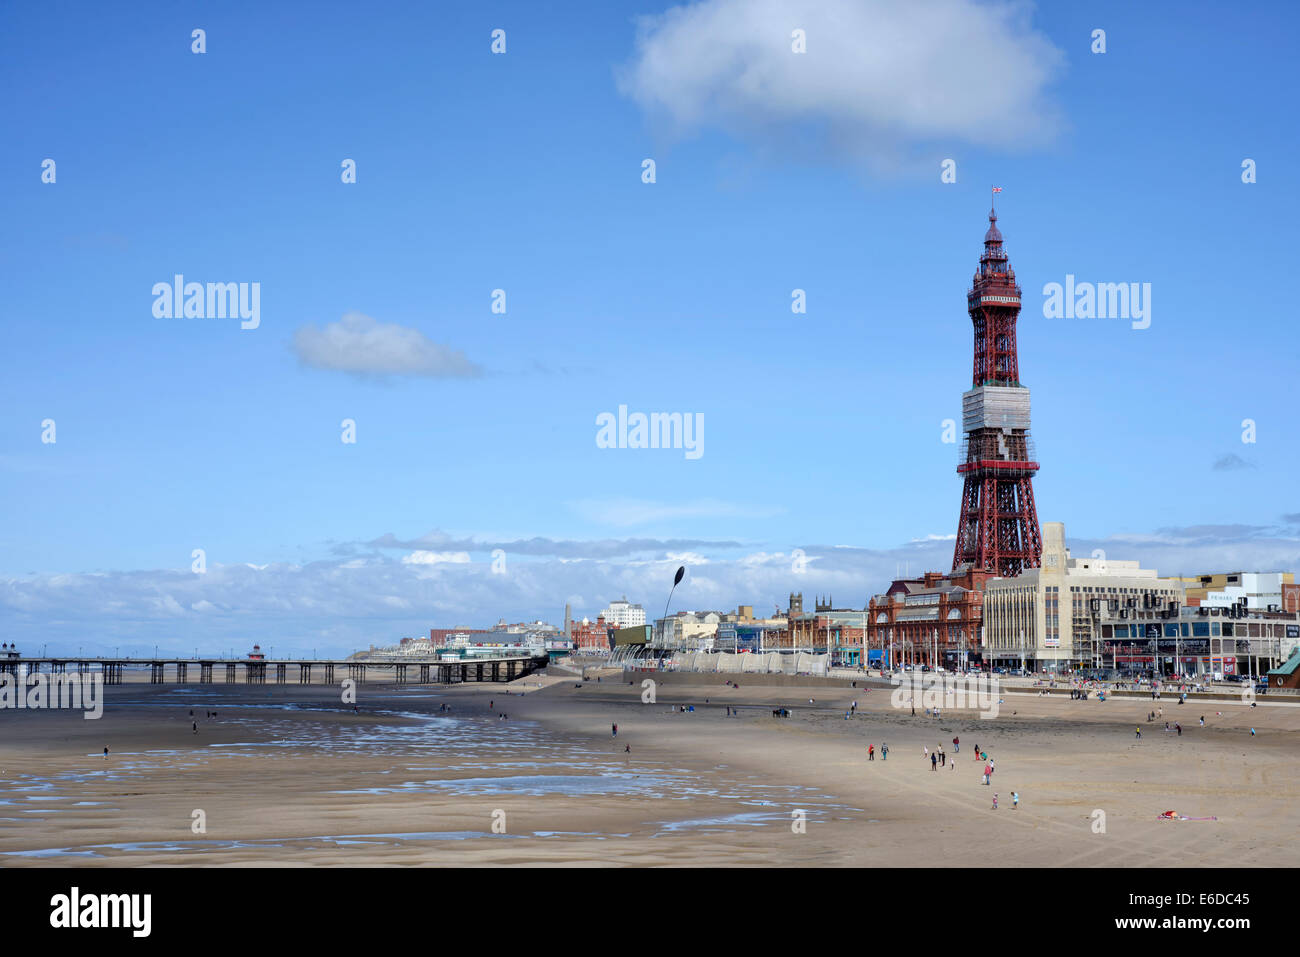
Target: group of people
point(193, 724)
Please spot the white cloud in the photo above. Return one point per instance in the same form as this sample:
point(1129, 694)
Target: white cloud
point(435, 558)
point(878, 78)
point(363, 346)
point(688, 558)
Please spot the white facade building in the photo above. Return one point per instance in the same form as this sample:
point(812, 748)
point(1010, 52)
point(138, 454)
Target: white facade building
point(687, 631)
point(1044, 617)
point(623, 614)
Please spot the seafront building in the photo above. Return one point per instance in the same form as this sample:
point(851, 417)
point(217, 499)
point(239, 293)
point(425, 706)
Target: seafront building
point(931, 621)
point(827, 630)
point(1117, 616)
point(1193, 640)
point(687, 631)
point(591, 637)
point(623, 614)
point(1262, 591)
point(1044, 618)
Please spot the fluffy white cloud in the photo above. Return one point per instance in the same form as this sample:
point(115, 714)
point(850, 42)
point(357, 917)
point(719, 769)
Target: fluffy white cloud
point(879, 77)
point(434, 558)
point(364, 346)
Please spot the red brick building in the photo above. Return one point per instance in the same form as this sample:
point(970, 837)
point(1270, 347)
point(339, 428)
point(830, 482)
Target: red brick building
point(934, 620)
point(590, 637)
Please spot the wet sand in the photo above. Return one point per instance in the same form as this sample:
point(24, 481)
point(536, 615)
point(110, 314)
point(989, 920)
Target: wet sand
point(289, 776)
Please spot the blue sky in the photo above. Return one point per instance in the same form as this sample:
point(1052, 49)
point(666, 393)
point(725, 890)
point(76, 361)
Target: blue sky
point(522, 172)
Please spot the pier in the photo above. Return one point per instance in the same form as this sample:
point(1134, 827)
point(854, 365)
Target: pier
point(323, 671)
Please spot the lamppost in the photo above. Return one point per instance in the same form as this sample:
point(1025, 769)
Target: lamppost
point(863, 660)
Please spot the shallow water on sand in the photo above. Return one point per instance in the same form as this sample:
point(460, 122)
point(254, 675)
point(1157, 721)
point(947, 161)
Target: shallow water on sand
point(462, 753)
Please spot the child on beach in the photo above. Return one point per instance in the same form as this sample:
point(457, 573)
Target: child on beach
point(995, 802)
point(1015, 801)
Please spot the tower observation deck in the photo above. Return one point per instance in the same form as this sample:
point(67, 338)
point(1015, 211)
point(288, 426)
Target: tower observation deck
point(998, 527)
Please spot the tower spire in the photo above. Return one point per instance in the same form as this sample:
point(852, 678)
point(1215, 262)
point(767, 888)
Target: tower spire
point(998, 526)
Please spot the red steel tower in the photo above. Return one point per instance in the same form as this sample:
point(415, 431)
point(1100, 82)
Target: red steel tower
point(998, 527)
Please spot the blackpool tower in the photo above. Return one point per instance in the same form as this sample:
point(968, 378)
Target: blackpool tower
point(998, 527)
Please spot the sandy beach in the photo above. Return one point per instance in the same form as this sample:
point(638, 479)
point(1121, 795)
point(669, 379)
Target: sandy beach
point(290, 776)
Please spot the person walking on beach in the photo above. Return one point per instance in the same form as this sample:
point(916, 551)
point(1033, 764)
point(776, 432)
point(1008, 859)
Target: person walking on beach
point(943, 758)
point(1179, 728)
point(956, 745)
point(106, 753)
point(1138, 731)
point(871, 752)
point(995, 802)
point(1015, 801)
point(884, 751)
point(614, 729)
point(986, 774)
point(1202, 721)
point(934, 762)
